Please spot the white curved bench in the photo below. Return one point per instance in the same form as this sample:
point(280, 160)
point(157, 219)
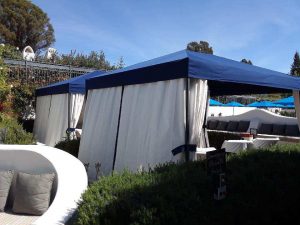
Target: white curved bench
point(71, 178)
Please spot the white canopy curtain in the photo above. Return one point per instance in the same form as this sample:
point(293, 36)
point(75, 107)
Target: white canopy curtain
point(58, 119)
point(143, 125)
point(41, 119)
point(76, 106)
point(197, 112)
point(100, 124)
point(296, 95)
point(151, 125)
point(52, 116)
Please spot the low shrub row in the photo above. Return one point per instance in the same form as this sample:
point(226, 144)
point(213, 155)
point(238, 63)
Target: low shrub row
point(216, 138)
point(263, 188)
point(70, 146)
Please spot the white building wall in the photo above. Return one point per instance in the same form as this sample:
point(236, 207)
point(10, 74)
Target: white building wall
point(227, 111)
point(233, 111)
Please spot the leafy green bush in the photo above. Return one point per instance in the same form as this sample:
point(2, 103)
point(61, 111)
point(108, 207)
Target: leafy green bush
point(11, 132)
point(4, 88)
point(263, 188)
point(11, 52)
point(22, 97)
point(216, 138)
point(288, 113)
point(70, 146)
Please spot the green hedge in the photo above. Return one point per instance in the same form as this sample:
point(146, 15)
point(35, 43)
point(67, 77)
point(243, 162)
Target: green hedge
point(70, 146)
point(216, 138)
point(263, 188)
point(11, 132)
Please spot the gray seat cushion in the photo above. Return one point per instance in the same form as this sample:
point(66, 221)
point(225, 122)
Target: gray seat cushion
point(5, 184)
point(265, 128)
point(212, 124)
point(278, 129)
point(243, 126)
point(232, 125)
point(291, 130)
point(222, 125)
point(32, 194)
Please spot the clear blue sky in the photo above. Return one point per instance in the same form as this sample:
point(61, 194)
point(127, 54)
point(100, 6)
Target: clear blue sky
point(265, 31)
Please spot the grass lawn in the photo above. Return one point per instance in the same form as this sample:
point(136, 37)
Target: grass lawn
point(263, 188)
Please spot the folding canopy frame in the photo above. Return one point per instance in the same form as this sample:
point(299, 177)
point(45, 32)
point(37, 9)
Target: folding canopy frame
point(222, 76)
point(55, 104)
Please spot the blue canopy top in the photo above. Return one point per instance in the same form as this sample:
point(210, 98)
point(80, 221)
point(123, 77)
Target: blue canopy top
point(265, 104)
point(234, 104)
point(240, 78)
point(73, 85)
point(215, 103)
point(285, 101)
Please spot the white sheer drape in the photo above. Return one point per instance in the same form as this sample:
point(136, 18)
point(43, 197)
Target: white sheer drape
point(41, 117)
point(152, 124)
point(52, 116)
point(58, 119)
point(99, 129)
point(197, 111)
point(296, 95)
point(76, 103)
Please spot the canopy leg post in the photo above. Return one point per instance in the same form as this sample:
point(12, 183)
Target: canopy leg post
point(187, 127)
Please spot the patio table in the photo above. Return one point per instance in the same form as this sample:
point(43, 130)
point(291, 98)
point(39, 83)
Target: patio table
point(201, 152)
point(263, 142)
point(236, 145)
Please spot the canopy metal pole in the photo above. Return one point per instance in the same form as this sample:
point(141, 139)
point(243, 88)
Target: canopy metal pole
point(50, 106)
point(117, 136)
point(205, 119)
point(84, 102)
point(69, 117)
point(187, 127)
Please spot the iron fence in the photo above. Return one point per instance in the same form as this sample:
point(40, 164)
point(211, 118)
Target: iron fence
point(41, 74)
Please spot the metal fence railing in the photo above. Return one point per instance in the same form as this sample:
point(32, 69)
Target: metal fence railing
point(41, 74)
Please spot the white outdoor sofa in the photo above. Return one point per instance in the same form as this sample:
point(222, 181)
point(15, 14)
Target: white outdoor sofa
point(257, 118)
point(70, 180)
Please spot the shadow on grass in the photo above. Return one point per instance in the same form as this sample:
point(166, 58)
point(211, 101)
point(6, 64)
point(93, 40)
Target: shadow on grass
point(263, 188)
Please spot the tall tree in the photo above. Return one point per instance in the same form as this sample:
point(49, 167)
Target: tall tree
point(4, 88)
point(202, 46)
point(295, 68)
point(22, 23)
point(246, 61)
point(94, 59)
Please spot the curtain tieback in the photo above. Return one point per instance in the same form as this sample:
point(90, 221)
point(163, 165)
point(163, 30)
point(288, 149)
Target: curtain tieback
point(69, 130)
point(184, 148)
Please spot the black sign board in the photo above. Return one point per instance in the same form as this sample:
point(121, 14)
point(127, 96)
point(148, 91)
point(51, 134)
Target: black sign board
point(219, 186)
point(216, 161)
point(216, 166)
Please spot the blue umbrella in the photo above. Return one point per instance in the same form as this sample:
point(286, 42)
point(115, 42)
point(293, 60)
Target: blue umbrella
point(265, 104)
point(234, 104)
point(285, 101)
point(292, 106)
point(215, 103)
